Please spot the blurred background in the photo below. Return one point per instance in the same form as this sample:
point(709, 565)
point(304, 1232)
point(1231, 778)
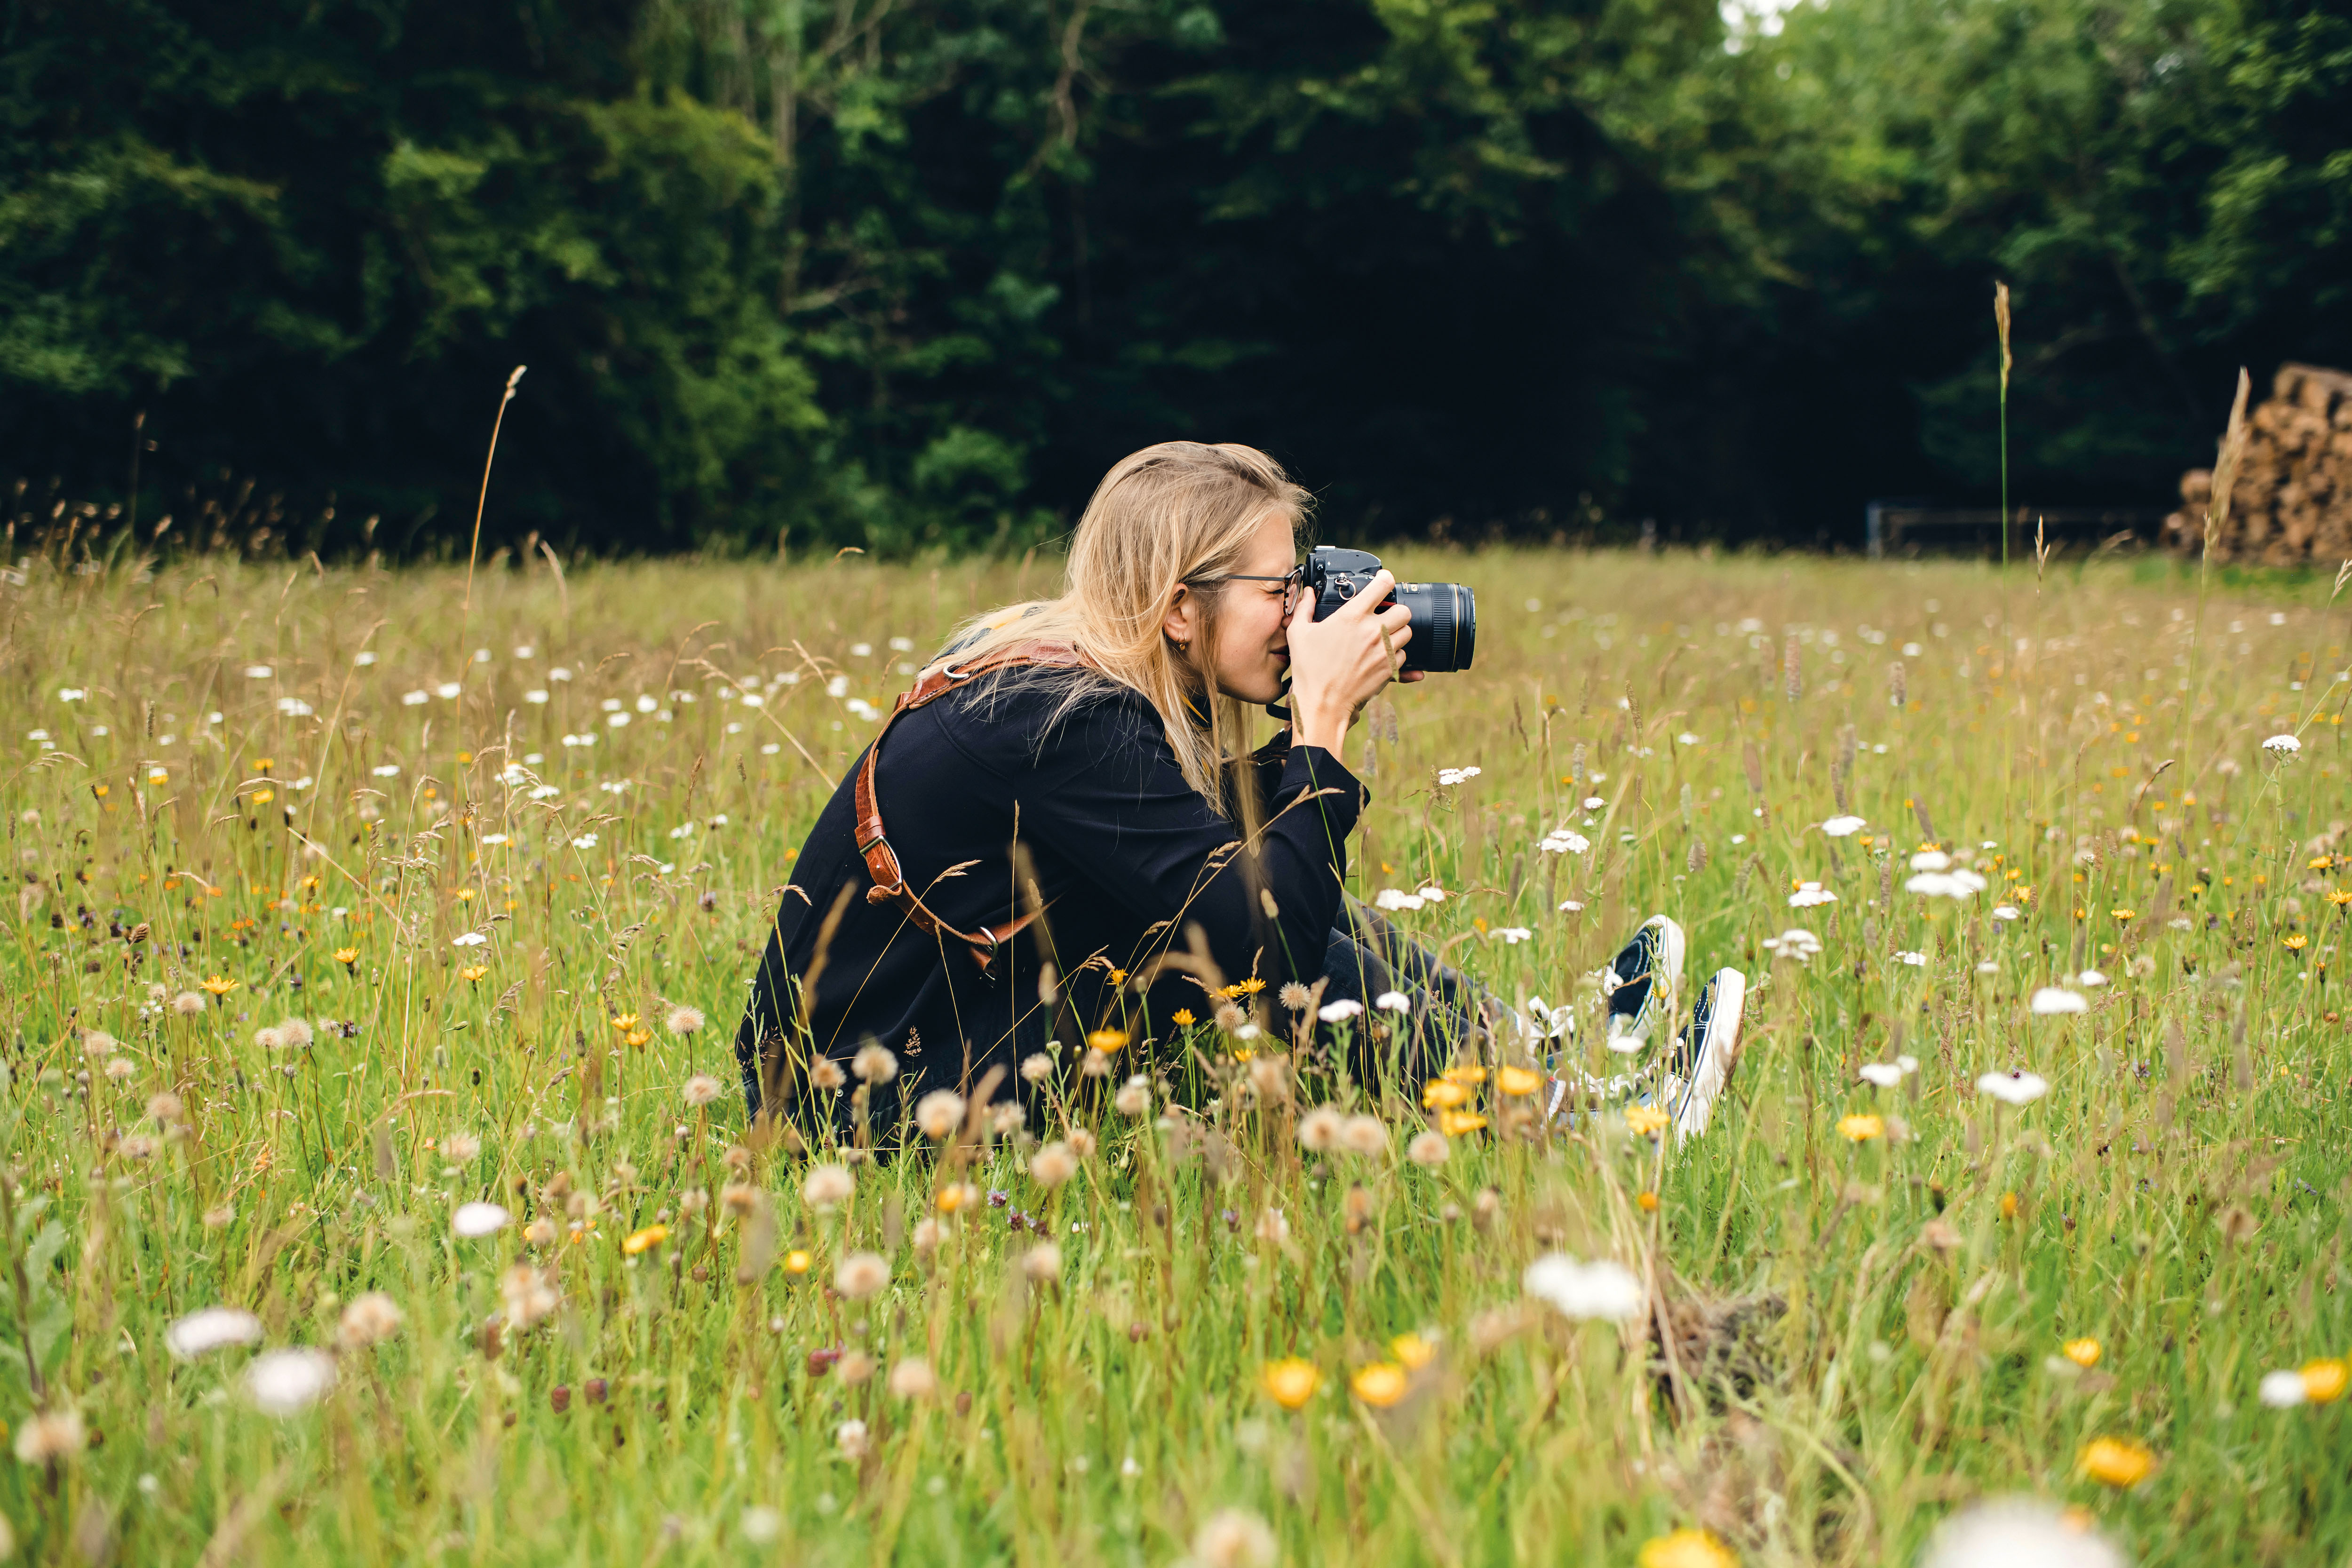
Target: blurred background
point(910, 274)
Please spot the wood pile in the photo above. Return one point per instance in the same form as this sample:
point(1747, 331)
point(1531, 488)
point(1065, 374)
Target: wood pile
point(2291, 502)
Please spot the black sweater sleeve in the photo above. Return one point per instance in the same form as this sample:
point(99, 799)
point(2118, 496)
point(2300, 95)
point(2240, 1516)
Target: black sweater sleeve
point(1106, 794)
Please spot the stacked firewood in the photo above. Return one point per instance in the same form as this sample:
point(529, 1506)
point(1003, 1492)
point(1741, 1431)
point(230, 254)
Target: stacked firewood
point(2292, 501)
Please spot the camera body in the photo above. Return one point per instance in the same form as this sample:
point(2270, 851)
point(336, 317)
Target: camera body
point(1444, 615)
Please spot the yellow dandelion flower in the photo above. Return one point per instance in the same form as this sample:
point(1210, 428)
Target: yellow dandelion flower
point(1412, 1352)
point(1648, 1202)
point(473, 971)
point(219, 984)
point(639, 1037)
point(2297, 943)
point(1119, 977)
point(2009, 1205)
point(645, 1240)
point(2323, 1379)
point(797, 1261)
point(1862, 1129)
point(1687, 1548)
point(1290, 1381)
point(2125, 915)
point(2083, 1353)
point(1109, 1042)
point(2339, 897)
point(347, 956)
point(1443, 1094)
point(1469, 1073)
point(157, 776)
point(1379, 1384)
point(2324, 863)
point(1182, 1019)
point(624, 1022)
point(1519, 1080)
point(465, 895)
point(2116, 1462)
point(1645, 1121)
point(1458, 1123)
point(264, 797)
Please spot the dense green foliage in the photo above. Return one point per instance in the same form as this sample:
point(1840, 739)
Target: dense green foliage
point(905, 272)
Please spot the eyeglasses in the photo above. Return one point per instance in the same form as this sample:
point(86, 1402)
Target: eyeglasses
point(1292, 581)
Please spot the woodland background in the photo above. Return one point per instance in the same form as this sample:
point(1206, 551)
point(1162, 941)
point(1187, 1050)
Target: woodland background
point(910, 274)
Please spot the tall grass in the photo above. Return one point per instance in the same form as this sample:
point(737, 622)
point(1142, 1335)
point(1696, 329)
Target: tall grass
point(1868, 1323)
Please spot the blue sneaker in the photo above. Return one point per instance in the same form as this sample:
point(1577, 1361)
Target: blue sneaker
point(1705, 1050)
point(1640, 985)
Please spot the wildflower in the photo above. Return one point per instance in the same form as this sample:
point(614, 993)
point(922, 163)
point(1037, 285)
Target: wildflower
point(1519, 1080)
point(874, 1064)
point(1563, 841)
point(473, 971)
point(1364, 1135)
point(1037, 1067)
point(1843, 826)
point(2052, 999)
point(798, 1261)
point(1912, 960)
point(940, 1113)
point(1860, 1129)
point(1603, 1289)
point(2297, 943)
point(1395, 899)
point(685, 1020)
point(1449, 778)
point(1394, 1002)
point(1133, 1098)
point(1109, 1042)
point(287, 1383)
point(1687, 1548)
point(2090, 979)
point(1795, 942)
point(827, 1185)
point(826, 1074)
point(861, 1274)
point(2119, 1462)
point(1380, 1385)
point(2016, 1087)
point(1443, 1094)
point(50, 1436)
point(1809, 894)
point(1042, 1263)
point(1459, 1124)
point(645, 1240)
point(478, 1219)
point(849, 1437)
point(1340, 1010)
point(1234, 1539)
point(347, 956)
point(2009, 1205)
point(219, 984)
point(1467, 1073)
point(2083, 1353)
point(1053, 1164)
point(2339, 897)
point(1886, 1075)
point(2018, 1532)
point(1412, 1352)
point(187, 1004)
point(2283, 745)
point(1646, 1201)
point(2005, 912)
point(760, 1524)
point(701, 1090)
point(913, 1379)
point(1182, 1019)
point(369, 1319)
point(2323, 1379)
point(1511, 936)
point(1428, 1149)
point(1645, 1121)
point(459, 1147)
point(210, 1329)
point(1319, 1129)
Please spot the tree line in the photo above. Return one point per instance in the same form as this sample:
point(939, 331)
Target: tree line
point(911, 273)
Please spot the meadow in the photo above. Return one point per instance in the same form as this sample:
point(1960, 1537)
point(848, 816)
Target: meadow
point(378, 1187)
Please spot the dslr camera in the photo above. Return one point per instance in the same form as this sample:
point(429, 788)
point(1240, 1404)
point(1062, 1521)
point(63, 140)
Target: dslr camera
point(1444, 615)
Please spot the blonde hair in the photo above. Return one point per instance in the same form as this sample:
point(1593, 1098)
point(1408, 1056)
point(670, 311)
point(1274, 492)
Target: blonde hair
point(1179, 512)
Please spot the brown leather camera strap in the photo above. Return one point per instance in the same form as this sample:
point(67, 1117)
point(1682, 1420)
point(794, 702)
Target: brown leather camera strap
point(881, 861)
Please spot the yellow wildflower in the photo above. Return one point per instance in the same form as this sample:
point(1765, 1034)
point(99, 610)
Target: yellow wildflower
point(797, 1261)
point(1109, 1042)
point(643, 1240)
point(1862, 1129)
point(2083, 1353)
point(1443, 1094)
point(1412, 1352)
point(2117, 1462)
point(1379, 1384)
point(1182, 1019)
point(2297, 943)
point(1687, 1548)
point(1519, 1080)
point(347, 956)
point(1291, 1381)
point(473, 971)
point(1644, 1121)
point(2323, 1379)
point(1467, 1073)
point(219, 984)
point(1456, 1124)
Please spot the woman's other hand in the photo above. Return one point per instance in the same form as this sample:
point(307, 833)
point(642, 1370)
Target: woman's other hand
point(1339, 663)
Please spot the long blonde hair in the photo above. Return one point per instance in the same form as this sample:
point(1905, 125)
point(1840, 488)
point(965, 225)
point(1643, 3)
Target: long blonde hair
point(1179, 512)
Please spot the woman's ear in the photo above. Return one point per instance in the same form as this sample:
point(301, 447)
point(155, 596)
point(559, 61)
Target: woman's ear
point(1183, 621)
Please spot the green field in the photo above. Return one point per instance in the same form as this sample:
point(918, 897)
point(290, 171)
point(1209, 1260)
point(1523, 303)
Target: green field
point(1869, 1317)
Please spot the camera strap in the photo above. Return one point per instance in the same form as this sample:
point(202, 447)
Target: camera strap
point(874, 845)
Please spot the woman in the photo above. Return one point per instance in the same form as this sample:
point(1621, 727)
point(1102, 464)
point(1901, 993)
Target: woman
point(1057, 832)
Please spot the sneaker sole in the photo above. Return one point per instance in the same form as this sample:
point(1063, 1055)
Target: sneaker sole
point(1717, 1054)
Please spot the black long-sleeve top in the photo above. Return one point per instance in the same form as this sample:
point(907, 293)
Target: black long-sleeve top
point(1124, 853)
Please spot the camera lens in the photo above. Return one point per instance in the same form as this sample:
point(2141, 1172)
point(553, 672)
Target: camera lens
point(1444, 626)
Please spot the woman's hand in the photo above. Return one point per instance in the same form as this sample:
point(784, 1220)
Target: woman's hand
point(1339, 663)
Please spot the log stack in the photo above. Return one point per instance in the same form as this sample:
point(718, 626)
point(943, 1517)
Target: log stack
point(2291, 502)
